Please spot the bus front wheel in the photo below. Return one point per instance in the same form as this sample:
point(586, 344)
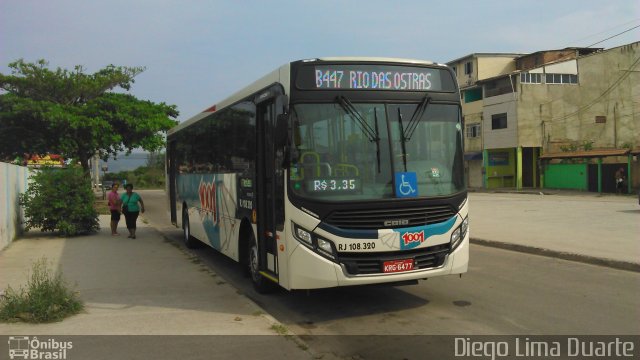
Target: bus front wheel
point(260, 283)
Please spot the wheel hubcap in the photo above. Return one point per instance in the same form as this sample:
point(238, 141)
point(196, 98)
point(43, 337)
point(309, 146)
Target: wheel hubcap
point(253, 262)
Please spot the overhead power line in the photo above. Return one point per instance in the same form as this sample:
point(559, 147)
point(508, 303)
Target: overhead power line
point(611, 37)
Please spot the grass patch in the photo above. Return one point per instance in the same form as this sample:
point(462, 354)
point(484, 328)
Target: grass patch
point(101, 206)
point(280, 329)
point(47, 298)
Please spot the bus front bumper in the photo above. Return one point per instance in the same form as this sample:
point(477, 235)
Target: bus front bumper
point(314, 271)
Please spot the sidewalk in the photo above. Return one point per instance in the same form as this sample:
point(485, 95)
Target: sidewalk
point(142, 287)
point(581, 226)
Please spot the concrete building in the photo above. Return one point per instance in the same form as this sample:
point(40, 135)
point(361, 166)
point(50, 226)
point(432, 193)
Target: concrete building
point(469, 71)
point(566, 118)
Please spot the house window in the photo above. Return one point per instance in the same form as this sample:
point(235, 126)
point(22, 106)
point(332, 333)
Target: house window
point(498, 87)
point(472, 95)
point(529, 78)
point(473, 130)
point(499, 121)
point(561, 79)
point(468, 67)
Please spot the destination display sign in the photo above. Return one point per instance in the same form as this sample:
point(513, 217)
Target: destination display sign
point(374, 77)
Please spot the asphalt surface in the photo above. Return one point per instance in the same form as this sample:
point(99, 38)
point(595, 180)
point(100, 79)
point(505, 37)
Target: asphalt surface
point(154, 286)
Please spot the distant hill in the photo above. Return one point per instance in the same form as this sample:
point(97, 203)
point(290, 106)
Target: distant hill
point(126, 163)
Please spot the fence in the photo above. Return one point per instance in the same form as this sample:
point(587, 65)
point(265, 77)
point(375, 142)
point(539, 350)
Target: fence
point(13, 181)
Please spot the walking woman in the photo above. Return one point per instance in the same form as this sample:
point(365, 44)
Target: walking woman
point(130, 209)
point(114, 207)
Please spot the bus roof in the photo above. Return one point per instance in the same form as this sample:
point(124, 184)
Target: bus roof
point(282, 75)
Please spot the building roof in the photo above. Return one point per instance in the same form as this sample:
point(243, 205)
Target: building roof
point(512, 55)
point(585, 154)
point(581, 51)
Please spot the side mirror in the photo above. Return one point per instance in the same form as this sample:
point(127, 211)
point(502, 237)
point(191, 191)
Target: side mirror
point(282, 130)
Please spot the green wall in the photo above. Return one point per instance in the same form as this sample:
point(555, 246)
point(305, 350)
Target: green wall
point(501, 168)
point(566, 176)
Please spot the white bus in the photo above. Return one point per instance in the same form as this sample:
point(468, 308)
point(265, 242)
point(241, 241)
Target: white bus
point(328, 172)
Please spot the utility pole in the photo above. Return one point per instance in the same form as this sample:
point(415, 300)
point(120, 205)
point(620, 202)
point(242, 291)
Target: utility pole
point(96, 169)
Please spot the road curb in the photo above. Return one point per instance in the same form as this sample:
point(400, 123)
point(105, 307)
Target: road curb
point(611, 263)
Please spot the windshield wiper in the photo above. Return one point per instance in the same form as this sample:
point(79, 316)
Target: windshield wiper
point(348, 107)
point(372, 134)
point(375, 116)
point(403, 140)
point(415, 118)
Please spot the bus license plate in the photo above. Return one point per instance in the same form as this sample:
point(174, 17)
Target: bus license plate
point(398, 265)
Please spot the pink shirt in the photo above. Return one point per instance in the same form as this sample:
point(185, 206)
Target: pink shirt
point(114, 200)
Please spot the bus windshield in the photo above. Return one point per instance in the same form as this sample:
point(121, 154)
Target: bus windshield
point(342, 151)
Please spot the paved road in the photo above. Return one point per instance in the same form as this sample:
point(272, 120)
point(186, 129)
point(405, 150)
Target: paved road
point(505, 292)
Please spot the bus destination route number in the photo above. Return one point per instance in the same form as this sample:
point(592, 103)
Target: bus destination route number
point(376, 78)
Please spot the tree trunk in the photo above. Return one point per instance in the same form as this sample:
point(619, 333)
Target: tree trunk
point(84, 162)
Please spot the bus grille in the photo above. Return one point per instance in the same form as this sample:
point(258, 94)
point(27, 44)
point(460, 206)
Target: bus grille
point(375, 219)
point(372, 263)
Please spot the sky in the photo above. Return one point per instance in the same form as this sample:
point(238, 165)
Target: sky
point(197, 53)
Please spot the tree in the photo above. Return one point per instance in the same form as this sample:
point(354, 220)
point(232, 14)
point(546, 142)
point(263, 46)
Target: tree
point(60, 200)
point(75, 114)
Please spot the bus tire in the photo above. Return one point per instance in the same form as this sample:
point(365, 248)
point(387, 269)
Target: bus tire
point(261, 284)
point(189, 241)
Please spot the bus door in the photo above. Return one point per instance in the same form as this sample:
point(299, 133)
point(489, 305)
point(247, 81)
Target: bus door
point(171, 169)
point(269, 186)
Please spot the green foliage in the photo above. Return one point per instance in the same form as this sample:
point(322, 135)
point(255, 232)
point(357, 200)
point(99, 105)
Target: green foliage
point(156, 160)
point(47, 298)
point(75, 115)
point(587, 145)
point(60, 200)
point(627, 145)
point(569, 148)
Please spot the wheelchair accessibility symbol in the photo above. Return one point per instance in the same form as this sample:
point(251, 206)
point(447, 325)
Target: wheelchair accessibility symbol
point(406, 184)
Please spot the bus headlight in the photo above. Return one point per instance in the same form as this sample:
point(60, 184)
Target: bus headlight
point(459, 234)
point(455, 238)
point(320, 246)
point(324, 246)
point(302, 235)
point(464, 227)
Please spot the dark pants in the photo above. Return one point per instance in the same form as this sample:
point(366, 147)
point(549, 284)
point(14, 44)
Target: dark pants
point(130, 218)
point(115, 215)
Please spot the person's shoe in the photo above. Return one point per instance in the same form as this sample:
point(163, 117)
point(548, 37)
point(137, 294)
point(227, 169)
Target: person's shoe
point(133, 237)
point(129, 236)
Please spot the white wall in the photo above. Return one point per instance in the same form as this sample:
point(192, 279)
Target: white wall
point(13, 181)
point(501, 138)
